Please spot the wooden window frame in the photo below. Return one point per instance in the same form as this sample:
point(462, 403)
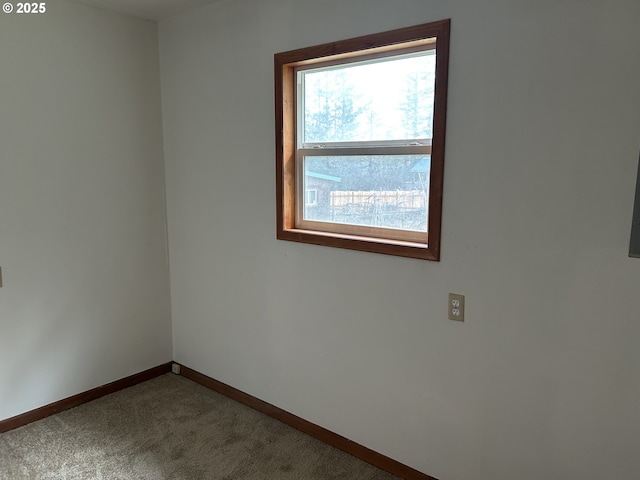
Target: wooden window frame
point(368, 239)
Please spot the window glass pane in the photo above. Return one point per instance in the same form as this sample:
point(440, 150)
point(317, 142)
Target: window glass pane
point(372, 190)
point(370, 101)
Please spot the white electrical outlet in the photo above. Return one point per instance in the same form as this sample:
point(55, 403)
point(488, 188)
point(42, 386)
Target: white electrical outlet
point(456, 307)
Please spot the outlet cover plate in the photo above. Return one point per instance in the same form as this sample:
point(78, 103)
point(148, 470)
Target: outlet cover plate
point(456, 307)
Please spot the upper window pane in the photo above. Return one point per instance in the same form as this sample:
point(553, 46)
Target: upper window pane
point(376, 100)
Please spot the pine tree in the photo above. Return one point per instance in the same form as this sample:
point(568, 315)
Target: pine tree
point(332, 108)
point(417, 108)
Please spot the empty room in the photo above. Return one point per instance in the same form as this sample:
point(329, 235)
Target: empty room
point(435, 283)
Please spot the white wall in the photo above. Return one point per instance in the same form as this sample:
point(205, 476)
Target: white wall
point(543, 378)
point(85, 299)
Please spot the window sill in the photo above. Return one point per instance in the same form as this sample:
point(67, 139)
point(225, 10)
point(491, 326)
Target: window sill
point(365, 244)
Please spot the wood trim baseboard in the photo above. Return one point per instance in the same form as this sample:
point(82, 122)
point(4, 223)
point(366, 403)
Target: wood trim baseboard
point(79, 399)
point(359, 451)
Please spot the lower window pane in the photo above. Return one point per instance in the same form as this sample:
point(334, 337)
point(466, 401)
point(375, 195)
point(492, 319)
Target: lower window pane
point(373, 190)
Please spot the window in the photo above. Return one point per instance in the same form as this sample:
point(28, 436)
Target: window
point(312, 197)
point(360, 133)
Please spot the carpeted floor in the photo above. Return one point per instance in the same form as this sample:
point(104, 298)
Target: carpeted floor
point(170, 428)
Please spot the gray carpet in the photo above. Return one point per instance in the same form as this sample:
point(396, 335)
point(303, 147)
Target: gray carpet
point(170, 428)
